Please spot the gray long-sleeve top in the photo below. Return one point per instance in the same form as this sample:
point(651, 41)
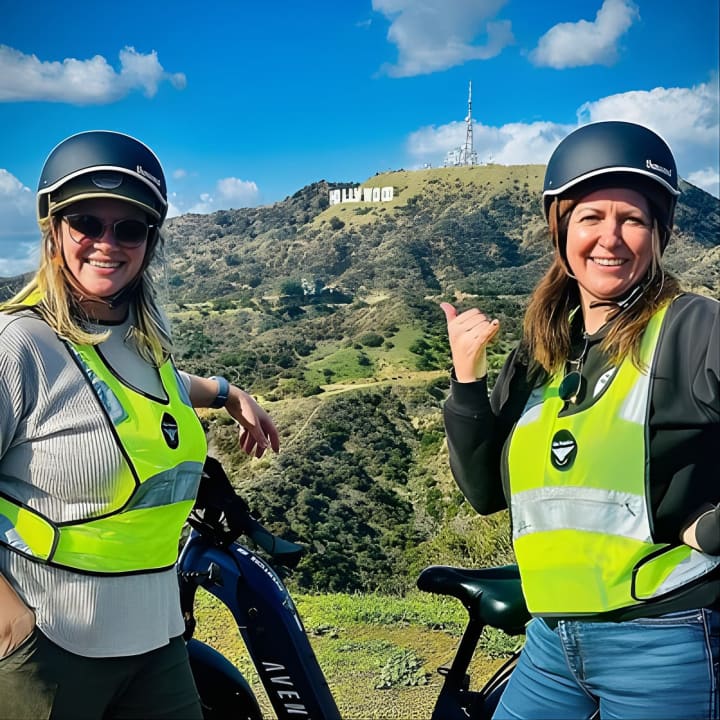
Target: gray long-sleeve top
point(59, 455)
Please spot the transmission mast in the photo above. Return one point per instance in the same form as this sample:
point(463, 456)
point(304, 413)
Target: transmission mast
point(466, 154)
point(469, 156)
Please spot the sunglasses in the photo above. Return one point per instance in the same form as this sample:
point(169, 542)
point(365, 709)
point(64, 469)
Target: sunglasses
point(127, 233)
point(571, 386)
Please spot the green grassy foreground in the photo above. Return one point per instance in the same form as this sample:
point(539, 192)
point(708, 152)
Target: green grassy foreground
point(379, 653)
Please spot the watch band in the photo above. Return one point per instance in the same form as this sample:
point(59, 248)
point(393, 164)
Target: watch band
point(223, 392)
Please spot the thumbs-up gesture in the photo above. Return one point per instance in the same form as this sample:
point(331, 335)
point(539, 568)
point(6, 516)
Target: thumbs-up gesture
point(469, 333)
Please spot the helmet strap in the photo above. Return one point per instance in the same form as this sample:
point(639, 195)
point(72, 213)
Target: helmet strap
point(625, 302)
point(634, 295)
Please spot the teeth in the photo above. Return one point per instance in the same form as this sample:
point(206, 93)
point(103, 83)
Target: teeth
point(608, 262)
point(100, 264)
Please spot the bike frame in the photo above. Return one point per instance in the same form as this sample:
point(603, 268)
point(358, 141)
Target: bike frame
point(268, 622)
point(278, 645)
point(456, 701)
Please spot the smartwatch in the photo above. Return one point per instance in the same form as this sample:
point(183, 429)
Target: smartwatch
point(223, 392)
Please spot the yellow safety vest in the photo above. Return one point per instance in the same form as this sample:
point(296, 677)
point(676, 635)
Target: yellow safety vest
point(582, 529)
point(163, 447)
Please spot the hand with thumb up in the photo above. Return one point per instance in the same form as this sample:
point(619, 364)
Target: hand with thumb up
point(469, 333)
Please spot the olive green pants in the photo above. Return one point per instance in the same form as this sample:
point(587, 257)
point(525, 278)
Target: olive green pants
point(41, 680)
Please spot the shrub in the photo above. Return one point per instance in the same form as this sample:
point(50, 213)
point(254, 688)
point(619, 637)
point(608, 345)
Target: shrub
point(371, 339)
point(403, 669)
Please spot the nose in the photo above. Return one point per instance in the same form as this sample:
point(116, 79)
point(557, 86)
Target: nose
point(610, 232)
point(108, 235)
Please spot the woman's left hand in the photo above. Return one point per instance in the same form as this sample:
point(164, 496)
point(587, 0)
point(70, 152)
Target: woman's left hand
point(256, 431)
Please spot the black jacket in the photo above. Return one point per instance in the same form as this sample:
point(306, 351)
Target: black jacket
point(684, 431)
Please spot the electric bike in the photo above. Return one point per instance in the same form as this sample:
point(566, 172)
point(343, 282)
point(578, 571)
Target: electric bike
point(251, 587)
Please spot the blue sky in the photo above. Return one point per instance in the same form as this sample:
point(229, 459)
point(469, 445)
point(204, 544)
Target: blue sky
point(247, 102)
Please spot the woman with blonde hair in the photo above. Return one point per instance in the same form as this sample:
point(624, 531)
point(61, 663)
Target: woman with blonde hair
point(101, 452)
point(600, 437)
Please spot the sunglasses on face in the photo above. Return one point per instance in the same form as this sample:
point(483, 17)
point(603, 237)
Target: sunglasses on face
point(127, 233)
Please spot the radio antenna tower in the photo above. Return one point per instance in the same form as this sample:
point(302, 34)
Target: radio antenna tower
point(469, 156)
point(466, 154)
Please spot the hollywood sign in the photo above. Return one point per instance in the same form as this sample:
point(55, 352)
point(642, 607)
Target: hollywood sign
point(361, 194)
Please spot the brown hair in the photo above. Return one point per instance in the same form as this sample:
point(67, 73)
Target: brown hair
point(546, 329)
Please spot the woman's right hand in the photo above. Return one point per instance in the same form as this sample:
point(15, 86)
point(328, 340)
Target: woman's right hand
point(469, 334)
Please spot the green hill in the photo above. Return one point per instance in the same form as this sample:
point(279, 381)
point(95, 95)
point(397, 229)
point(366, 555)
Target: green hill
point(330, 315)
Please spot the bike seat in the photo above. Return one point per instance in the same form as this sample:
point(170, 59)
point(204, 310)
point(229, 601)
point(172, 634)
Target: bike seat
point(492, 595)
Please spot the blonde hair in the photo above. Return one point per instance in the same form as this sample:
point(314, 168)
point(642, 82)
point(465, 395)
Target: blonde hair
point(51, 295)
point(546, 327)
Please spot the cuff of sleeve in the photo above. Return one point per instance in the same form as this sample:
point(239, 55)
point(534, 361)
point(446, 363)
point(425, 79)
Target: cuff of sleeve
point(222, 394)
point(707, 532)
point(469, 397)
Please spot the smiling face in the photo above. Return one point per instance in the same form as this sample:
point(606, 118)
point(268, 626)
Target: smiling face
point(101, 267)
point(609, 244)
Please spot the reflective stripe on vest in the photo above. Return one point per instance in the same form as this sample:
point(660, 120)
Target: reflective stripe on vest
point(163, 447)
point(582, 529)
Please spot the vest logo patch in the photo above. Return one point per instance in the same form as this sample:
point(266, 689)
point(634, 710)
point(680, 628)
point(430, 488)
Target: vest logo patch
point(563, 450)
point(603, 381)
point(169, 428)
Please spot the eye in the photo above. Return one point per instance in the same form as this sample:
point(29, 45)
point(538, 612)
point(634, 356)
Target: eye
point(588, 217)
point(637, 220)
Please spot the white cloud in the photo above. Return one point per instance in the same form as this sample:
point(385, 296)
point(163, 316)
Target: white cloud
point(173, 209)
point(511, 144)
point(179, 174)
point(433, 35)
point(708, 179)
point(13, 191)
point(80, 82)
point(238, 191)
point(229, 193)
point(688, 118)
point(586, 43)
point(19, 234)
point(25, 258)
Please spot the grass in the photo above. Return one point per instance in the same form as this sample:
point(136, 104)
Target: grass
point(379, 653)
point(337, 609)
point(344, 363)
point(479, 180)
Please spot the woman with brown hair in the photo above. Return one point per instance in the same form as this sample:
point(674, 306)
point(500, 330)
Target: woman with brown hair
point(600, 437)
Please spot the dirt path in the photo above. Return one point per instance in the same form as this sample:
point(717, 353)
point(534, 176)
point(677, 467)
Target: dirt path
point(338, 388)
point(405, 378)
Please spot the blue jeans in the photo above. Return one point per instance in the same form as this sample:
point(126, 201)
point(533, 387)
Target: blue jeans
point(664, 667)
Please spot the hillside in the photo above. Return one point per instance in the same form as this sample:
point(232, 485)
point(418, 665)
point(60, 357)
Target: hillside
point(330, 315)
point(478, 229)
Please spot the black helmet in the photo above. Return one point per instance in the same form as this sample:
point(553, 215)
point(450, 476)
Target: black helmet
point(614, 154)
point(101, 163)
